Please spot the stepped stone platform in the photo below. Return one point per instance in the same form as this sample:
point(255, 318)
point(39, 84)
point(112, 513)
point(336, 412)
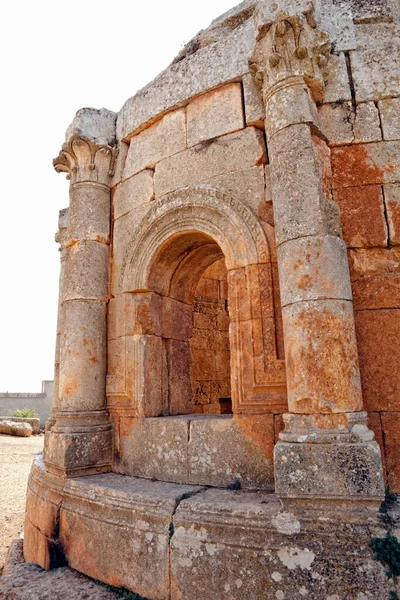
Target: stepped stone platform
point(172, 541)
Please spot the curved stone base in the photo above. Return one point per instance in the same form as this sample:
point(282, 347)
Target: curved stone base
point(180, 542)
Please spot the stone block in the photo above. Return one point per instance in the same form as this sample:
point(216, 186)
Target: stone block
point(82, 355)
point(355, 203)
point(337, 21)
point(247, 185)
point(378, 333)
point(301, 470)
point(290, 105)
point(389, 110)
point(215, 113)
point(96, 124)
point(235, 545)
point(204, 364)
point(375, 425)
point(225, 449)
point(325, 379)
point(89, 214)
point(391, 428)
point(337, 88)
point(11, 428)
point(219, 63)
point(133, 192)
point(342, 126)
point(176, 319)
point(165, 138)
point(233, 152)
point(86, 272)
point(34, 423)
point(366, 164)
point(337, 122)
point(376, 72)
point(254, 109)
point(366, 123)
point(132, 521)
point(180, 395)
point(80, 453)
point(141, 314)
point(313, 268)
point(375, 278)
point(123, 149)
point(392, 202)
point(155, 448)
point(300, 208)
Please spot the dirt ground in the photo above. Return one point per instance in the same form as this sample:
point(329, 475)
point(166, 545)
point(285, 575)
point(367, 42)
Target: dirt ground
point(16, 454)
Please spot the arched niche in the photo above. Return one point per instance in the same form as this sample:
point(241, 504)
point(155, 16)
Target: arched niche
point(181, 236)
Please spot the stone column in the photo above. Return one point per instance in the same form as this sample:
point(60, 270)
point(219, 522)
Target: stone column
point(80, 442)
point(60, 238)
point(326, 449)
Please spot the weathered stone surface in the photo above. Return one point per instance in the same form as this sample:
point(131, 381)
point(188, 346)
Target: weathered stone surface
point(300, 472)
point(223, 450)
point(206, 69)
point(376, 72)
point(327, 377)
point(355, 203)
point(337, 122)
point(13, 428)
point(342, 126)
point(336, 19)
point(86, 272)
point(88, 214)
point(25, 581)
point(97, 125)
point(313, 268)
point(155, 448)
point(213, 553)
point(392, 203)
point(389, 110)
point(253, 105)
point(375, 278)
point(390, 429)
point(366, 124)
point(137, 531)
point(232, 152)
point(200, 450)
point(290, 106)
point(337, 88)
point(366, 164)
point(296, 174)
point(34, 423)
point(377, 334)
point(165, 138)
point(215, 113)
point(247, 185)
point(133, 192)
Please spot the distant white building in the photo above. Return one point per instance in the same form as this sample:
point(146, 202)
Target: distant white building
point(40, 402)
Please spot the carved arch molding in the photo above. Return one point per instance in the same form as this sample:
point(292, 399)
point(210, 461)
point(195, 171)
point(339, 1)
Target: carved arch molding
point(221, 222)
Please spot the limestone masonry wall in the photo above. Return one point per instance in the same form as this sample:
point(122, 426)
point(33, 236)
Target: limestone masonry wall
point(197, 136)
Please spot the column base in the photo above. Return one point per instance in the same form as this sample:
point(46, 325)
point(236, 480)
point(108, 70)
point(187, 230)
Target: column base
point(314, 460)
point(78, 453)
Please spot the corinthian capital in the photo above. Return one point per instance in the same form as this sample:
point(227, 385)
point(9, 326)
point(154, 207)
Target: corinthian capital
point(89, 152)
point(289, 45)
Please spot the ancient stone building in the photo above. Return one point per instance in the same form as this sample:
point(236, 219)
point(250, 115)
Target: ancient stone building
point(227, 392)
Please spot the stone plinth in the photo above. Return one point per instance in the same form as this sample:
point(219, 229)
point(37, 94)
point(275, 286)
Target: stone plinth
point(164, 540)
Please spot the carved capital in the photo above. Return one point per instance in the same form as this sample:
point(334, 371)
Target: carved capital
point(290, 45)
point(85, 160)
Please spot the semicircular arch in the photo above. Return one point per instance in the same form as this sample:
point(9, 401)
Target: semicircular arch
point(221, 216)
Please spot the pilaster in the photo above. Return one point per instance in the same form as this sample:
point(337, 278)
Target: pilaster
point(326, 449)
